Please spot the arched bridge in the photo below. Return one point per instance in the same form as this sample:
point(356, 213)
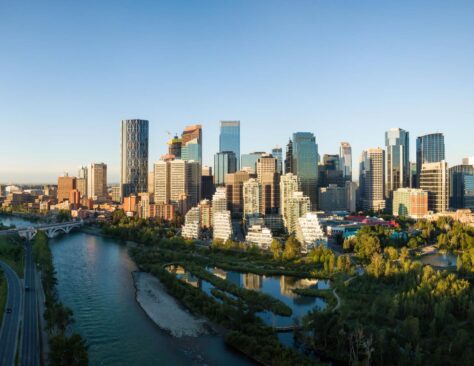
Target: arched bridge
point(51, 230)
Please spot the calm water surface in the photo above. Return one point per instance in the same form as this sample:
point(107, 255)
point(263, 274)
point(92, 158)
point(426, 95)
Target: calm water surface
point(95, 280)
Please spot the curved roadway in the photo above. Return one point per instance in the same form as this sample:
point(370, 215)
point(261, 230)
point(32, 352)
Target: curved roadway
point(11, 322)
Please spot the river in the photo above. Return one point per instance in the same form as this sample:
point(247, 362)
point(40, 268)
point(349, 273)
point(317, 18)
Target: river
point(95, 280)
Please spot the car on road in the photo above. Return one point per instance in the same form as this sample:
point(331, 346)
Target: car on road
point(9, 311)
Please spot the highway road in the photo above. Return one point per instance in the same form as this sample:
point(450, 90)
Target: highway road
point(11, 322)
point(30, 349)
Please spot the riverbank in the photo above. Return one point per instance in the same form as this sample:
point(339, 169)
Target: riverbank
point(164, 310)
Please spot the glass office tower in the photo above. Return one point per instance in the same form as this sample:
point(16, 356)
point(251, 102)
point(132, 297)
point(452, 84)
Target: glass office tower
point(305, 164)
point(461, 189)
point(225, 163)
point(345, 154)
point(429, 149)
point(134, 157)
point(397, 160)
point(277, 153)
point(191, 139)
point(229, 139)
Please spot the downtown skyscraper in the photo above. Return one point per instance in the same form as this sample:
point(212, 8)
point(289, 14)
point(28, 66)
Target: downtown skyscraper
point(134, 157)
point(397, 160)
point(429, 149)
point(345, 154)
point(305, 164)
point(229, 139)
point(371, 179)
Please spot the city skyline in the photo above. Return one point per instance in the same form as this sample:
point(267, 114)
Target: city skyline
point(390, 65)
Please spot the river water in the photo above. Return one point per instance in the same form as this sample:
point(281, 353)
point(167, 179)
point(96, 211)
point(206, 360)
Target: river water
point(95, 280)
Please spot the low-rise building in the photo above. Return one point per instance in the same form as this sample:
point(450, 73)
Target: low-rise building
point(309, 232)
point(260, 236)
point(410, 202)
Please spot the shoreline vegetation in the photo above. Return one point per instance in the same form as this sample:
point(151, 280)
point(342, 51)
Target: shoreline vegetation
point(389, 308)
point(66, 347)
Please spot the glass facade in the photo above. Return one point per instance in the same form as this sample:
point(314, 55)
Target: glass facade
point(250, 160)
point(305, 164)
point(461, 190)
point(345, 154)
point(429, 149)
point(225, 163)
point(277, 153)
point(134, 157)
point(397, 164)
point(229, 139)
point(191, 149)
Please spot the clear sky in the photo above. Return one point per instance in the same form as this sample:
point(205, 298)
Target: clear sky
point(345, 70)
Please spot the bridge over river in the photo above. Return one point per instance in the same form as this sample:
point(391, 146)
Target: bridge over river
point(51, 230)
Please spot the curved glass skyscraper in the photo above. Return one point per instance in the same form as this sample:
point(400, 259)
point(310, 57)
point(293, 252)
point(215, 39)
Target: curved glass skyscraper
point(134, 157)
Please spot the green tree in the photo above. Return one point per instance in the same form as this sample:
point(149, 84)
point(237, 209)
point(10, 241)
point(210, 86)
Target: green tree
point(292, 248)
point(276, 249)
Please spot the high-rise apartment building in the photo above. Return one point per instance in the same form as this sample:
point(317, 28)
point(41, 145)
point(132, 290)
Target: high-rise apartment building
point(251, 193)
point(222, 225)
point(225, 163)
point(191, 139)
point(177, 182)
point(461, 190)
point(289, 183)
point(397, 160)
point(372, 179)
point(229, 139)
point(97, 182)
point(234, 186)
point(345, 156)
point(429, 149)
point(277, 153)
point(410, 202)
point(134, 157)
point(219, 200)
point(305, 164)
point(434, 179)
point(298, 205)
point(309, 232)
point(66, 184)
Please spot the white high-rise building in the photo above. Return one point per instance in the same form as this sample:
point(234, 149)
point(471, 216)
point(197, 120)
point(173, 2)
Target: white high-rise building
point(260, 236)
point(251, 193)
point(219, 200)
point(222, 225)
point(434, 179)
point(97, 182)
point(192, 227)
point(289, 183)
point(298, 205)
point(309, 232)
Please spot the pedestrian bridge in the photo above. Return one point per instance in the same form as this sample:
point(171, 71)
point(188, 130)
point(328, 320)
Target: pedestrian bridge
point(51, 230)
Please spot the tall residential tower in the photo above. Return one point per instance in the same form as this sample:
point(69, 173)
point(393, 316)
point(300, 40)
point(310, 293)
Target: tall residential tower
point(134, 157)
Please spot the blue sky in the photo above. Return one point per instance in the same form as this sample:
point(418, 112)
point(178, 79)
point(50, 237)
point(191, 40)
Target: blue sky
point(345, 70)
